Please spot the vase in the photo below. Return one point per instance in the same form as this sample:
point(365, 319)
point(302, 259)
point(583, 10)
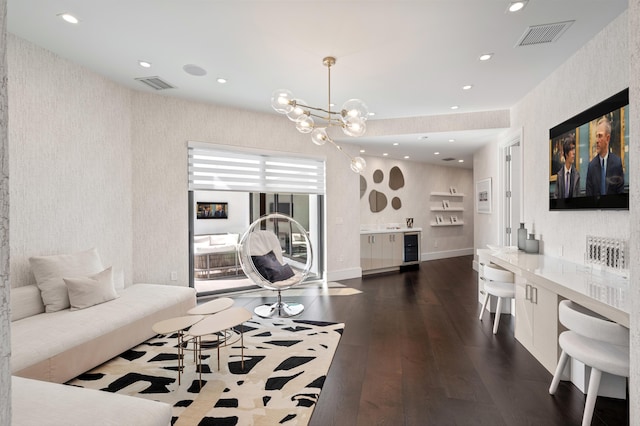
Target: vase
point(522, 237)
point(532, 245)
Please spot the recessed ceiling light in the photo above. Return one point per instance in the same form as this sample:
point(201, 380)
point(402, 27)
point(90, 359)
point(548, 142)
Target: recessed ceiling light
point(455, 107)
point(467, 87)
point(436, 153)
point(371, 114)
point(144, 64)
point(396, 144)
point(385, 154)
point(485, 56)
point(221, 80)
point(406, 157)
point(69, 18)
point(516, 6)
point(460, 161)
point(452, 140)
point(362, 151)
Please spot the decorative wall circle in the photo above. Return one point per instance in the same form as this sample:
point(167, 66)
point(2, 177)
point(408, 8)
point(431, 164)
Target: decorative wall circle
point(396, 203)
point(377, 201)
point(396, 178)
point(363, 186)
point(378, 176)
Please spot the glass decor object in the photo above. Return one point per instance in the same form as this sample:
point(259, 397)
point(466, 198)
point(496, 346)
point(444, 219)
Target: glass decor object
point(532, 245)
point(522, 236)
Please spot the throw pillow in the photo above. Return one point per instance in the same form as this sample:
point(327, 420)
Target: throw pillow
point(88, 291)
point(49, 271)
point(270, 269)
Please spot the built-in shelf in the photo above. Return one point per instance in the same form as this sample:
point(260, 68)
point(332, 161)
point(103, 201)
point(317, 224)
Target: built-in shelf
point(446, 194)
point(450, 209)
point(459, 223)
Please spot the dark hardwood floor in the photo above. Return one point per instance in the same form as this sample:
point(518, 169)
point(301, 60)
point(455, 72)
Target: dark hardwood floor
point(414, 353)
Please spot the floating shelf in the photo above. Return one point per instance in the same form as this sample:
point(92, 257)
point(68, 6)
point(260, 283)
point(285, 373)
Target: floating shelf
point(450, 209)
point(460, 223)
point(446, 194)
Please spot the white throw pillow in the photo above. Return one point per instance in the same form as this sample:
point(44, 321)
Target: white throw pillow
point(49, 271)
point(89, 291)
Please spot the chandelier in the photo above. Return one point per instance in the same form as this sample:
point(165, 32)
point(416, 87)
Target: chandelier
point(351, 118)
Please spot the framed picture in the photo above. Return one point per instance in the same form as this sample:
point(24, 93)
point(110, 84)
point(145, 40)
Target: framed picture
point(454, 219)
point(207, 210)
point(453, 190)
point(439, 219)
point(445, 204)
point(483, 196)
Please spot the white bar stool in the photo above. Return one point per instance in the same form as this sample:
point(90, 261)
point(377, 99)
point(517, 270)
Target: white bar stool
point(595, 341)
point(501, 284)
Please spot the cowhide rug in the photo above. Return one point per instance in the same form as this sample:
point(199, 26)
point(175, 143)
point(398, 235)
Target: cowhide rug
point(285, 365)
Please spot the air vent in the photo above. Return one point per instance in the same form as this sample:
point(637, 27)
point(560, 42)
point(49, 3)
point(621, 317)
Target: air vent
point(155, 83)
point(540, 34)
point(448, 159)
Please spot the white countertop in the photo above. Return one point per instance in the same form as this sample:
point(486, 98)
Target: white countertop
point(388, 230)
point(602, 291)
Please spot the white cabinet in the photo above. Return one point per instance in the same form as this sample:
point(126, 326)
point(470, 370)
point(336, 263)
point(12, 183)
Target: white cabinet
point(537, 322)
point(384, 250)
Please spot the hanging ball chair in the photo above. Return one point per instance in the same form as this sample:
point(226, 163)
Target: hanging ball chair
point(275, 253)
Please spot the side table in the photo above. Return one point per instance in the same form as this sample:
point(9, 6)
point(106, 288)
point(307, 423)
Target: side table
point(177, 325)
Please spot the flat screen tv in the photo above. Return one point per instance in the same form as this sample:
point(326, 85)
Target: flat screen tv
point(577, 178)
point(206, 210)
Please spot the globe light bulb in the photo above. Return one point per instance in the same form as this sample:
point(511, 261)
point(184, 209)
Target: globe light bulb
point(297, 111)
point(354, 126)
point(358, 164)
point(281, 101)
point(305, 124)
point(354, 108)
point(319, 136)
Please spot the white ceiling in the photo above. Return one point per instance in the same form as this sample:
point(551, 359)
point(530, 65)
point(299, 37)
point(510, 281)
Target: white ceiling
point(403, 58)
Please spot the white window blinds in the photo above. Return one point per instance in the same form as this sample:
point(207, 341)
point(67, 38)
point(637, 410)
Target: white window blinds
point(224, 170)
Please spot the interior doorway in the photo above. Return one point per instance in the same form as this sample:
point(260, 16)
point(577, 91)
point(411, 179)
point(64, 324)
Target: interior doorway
point(512, 190)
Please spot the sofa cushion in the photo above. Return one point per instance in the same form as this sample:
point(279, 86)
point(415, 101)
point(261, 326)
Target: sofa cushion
point(49, 271)
point(89, 291)
point(25, 302)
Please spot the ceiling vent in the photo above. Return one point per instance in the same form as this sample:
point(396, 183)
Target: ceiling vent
point(155, 83)
point(540, 34)
point(448, 159)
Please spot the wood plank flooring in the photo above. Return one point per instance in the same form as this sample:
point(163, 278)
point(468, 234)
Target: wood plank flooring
point(414, 353)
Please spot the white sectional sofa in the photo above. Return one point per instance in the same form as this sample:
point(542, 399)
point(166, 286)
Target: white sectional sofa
point(76, 318)
point(58, 346)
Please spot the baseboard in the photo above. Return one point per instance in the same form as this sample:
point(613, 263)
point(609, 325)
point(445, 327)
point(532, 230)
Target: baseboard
point(446, 254)
point(344, 274)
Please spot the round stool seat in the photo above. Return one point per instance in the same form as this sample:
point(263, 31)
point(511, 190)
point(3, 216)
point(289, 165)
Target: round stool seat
point(604, 356)
point(500, 289)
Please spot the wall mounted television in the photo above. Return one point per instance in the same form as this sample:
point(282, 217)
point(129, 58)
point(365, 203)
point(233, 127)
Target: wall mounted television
point(206, 210)
point(576, 148)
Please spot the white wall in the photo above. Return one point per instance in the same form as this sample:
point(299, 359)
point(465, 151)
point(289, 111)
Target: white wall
point(238, 213)
point(70, 161)
point(420, 180)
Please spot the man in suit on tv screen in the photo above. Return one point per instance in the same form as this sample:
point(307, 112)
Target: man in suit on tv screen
point(568, 182)
point(604, 174)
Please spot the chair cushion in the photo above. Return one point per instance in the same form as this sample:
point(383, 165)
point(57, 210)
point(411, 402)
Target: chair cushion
point(268, 266)
point(603, 356)
point(500, 289)
point(89, 291)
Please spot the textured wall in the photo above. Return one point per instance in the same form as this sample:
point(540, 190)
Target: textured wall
point(162, 127)
point(597, 71)
point(634, 158)
point(5, 332)
point(420, 181)
point(70, 160)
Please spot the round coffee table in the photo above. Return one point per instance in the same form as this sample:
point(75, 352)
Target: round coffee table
point(212, 307)
point(177, 325)
point(215, 324)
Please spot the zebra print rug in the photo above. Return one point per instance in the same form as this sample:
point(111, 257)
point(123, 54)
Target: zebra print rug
point(285, 365)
